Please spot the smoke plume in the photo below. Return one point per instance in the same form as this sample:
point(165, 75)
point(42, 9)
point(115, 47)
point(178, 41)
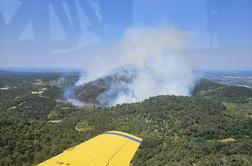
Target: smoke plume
point(158, 55)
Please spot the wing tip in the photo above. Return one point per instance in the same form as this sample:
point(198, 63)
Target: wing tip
point(126, 135)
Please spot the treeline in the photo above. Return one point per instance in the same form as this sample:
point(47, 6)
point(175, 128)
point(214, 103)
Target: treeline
point(197, 130)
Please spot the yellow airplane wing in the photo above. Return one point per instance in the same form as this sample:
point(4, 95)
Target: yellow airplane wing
point(112, 148)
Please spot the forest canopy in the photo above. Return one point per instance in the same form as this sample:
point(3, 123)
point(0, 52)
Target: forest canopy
point(212, 127)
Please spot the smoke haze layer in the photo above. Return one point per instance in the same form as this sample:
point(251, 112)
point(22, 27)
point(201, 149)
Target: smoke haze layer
point(158, 55)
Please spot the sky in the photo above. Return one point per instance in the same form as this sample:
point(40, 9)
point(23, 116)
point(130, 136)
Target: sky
point(63, 33)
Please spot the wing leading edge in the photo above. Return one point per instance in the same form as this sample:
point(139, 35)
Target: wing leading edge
point(112, 148)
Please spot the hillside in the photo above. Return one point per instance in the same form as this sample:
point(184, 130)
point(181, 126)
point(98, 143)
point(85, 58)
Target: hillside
point(103, 90)
point(212, 127)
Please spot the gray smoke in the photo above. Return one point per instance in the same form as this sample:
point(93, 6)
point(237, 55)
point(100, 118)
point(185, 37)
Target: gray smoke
point(158, 54)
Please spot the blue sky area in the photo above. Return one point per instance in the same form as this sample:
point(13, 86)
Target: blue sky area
point(33, 31)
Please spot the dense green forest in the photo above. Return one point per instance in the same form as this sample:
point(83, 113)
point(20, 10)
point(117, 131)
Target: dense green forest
point(212, 127)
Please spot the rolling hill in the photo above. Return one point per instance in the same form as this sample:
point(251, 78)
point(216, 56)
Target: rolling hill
point(211, 127)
